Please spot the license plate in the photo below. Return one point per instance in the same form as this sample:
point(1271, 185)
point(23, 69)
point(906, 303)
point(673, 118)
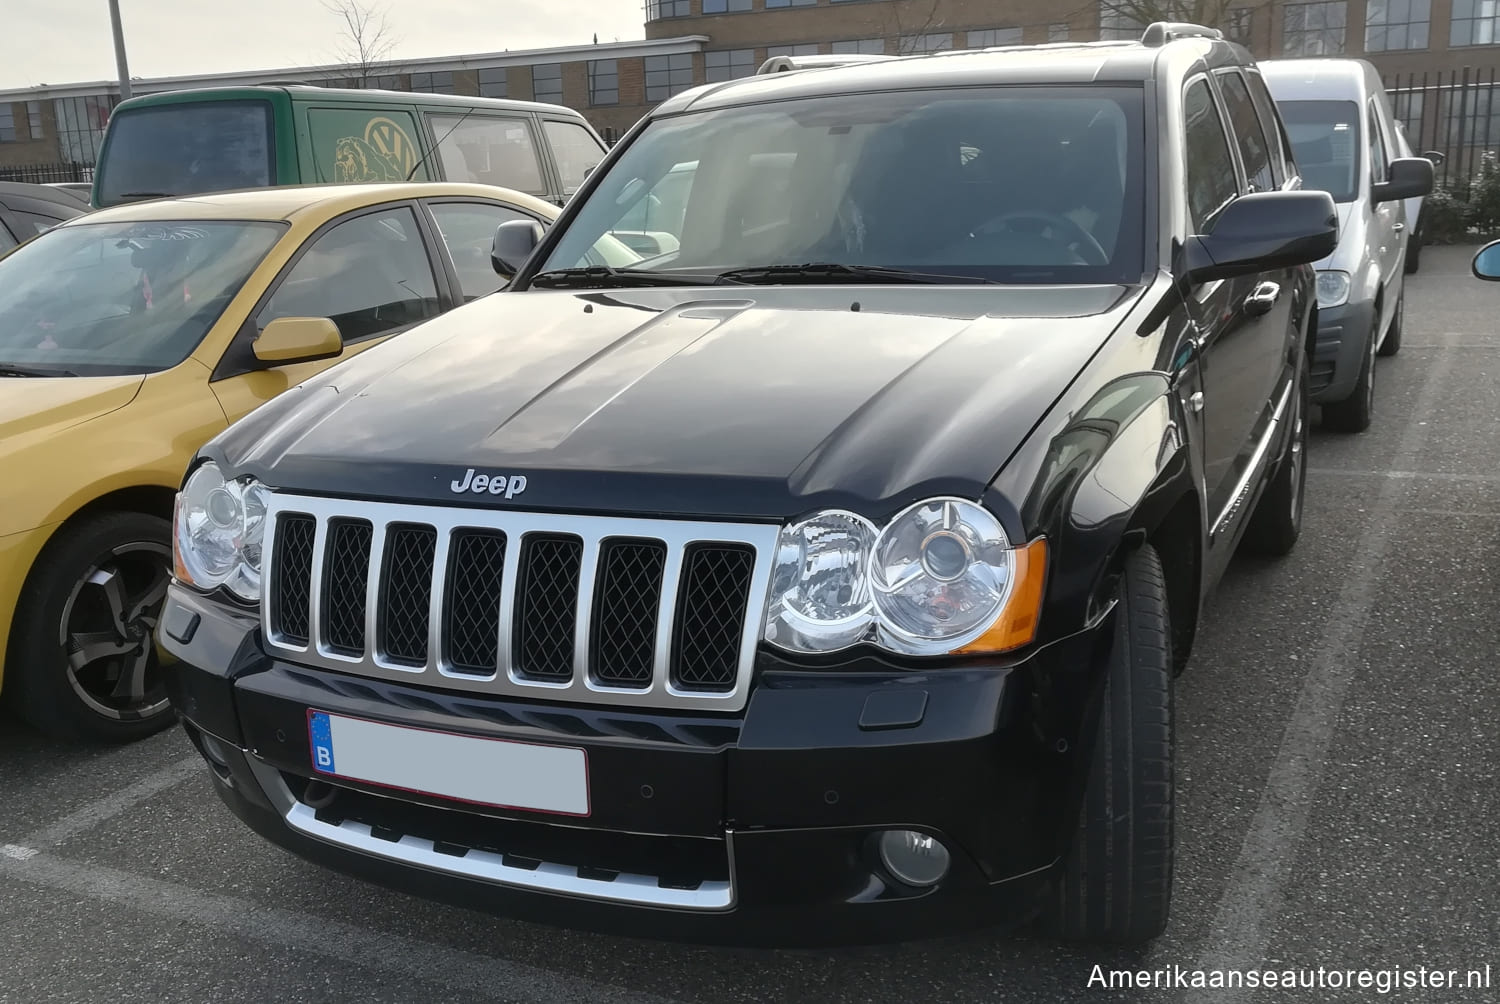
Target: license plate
point(491, 772)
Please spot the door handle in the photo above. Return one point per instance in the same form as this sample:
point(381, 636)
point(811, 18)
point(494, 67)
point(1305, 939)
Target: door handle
point(1399, 227)
point(1262, 299)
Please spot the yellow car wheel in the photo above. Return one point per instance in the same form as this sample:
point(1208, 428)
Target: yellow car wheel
point(83, 662)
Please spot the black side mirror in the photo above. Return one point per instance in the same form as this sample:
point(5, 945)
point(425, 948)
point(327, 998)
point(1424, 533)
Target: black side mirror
point(1262, 231)
point(514, 241)
point(1487, 262)
point(1436, 156)
point(1409, 177)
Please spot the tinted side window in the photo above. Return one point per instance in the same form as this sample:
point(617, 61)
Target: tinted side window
point(1270, 120)
point(6, 240)
point(1247, 132)
point(370, 275)
point(468, 230)
point(488, 150)
point(1210, 166)
point(575, 150)
point(363, 144)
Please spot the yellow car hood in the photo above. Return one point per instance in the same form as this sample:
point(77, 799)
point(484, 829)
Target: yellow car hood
point(32, 406)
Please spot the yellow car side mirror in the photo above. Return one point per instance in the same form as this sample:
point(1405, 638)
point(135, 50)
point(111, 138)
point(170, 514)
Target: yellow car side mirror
point(297, 340)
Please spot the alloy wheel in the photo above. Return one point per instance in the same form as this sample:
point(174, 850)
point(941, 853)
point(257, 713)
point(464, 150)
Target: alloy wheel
point(107, 631)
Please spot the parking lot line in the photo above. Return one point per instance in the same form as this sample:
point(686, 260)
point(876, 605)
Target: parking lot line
point(125, 799)
point(1488, 479)
point(1256, 887)
point(487, 978)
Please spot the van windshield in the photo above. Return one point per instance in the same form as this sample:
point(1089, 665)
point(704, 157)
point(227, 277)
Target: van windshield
point(1012, 184)
point(113, 298)
point(186, 149)
point(1325, 144)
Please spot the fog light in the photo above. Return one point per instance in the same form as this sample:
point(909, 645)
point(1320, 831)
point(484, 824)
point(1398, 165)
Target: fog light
point(214, 750)
point(913, 858)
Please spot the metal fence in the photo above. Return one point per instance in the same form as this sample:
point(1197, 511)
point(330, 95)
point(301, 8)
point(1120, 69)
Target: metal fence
point(1451, 112)
point(41, 174)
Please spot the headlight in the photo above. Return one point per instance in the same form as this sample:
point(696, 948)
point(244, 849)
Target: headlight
point(941, 577)
point(219, 526)
point(1333, 288)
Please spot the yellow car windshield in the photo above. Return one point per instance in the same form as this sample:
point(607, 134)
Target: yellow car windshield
point(113, 298)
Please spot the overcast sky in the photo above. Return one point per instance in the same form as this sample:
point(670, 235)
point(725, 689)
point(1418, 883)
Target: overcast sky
point(66, 41)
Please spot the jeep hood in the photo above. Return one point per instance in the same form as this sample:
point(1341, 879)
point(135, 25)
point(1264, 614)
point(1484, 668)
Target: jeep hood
point(32, 407)
point(756, 402)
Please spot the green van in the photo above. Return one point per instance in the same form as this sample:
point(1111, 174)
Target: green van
point(212, 139)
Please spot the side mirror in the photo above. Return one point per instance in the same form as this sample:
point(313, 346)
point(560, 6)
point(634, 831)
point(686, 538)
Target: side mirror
point(513, 243)
point(1436, 156)
point(1487, 262)
point(297, 340)
point(1265, 230)
point(1409, 177)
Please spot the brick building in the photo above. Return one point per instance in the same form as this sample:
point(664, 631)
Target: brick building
point(689, 42)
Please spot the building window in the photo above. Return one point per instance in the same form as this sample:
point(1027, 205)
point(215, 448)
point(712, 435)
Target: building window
point(725, 6)
point(1396, 24)
point(729, 64)
point(1313, 29)
point(1057, 32)
point(80, 126)
point(668, 75)
point(1238, 24)
point(432, 83)
point(863, 46)
point(805, 49)
point(771, 4)
point(604, 82)
point(1473, 22)
point(546, 83)
point(658, 9)
point(7, 122)
point(1479, 123)
point(380, 82)
point(34, 118)
point(494, 82)
point(1408, 107)
point(1115, 23)
point(916, 44)
point(994, 36)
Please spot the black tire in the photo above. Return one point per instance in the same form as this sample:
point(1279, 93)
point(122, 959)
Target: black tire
point(1355, 412)
point(70, 657)
point(1414, 254)
point(1277, 521)
point(1116, 884)
point(1392, 343)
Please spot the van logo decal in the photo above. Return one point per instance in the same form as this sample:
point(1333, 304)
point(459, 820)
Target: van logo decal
point(384, 153)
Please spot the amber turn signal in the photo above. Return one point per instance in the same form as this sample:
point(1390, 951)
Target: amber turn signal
point(1016, 625)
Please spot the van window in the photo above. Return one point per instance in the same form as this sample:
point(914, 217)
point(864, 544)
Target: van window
point(1325, 143)
point(1378, 158)
point(186, 149)
point(575, 150)
point(364, 144)
point(488, 150)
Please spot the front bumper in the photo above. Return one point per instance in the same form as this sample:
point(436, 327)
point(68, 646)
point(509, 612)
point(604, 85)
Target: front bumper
point(1340, 348)
point(756, 828)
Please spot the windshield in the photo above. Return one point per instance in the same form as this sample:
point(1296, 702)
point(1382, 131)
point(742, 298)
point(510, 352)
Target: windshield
point(113, 298)
point(186, 149)
point(1325, 144)
point(1015, 184)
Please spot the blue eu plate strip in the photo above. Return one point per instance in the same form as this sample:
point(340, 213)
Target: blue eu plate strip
point(322, 742)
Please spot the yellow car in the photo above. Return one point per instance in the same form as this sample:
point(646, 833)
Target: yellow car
point(131, 336)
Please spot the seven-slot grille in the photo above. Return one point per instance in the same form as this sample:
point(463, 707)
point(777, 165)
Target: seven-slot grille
point(627, 611)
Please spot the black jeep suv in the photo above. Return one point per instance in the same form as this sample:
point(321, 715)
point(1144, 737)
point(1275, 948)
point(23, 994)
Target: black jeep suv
point(822, 576)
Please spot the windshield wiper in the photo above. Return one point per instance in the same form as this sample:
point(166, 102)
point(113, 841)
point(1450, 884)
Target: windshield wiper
point(605, 277)
point(12, 370)
point(145, 195)
point(832, 272)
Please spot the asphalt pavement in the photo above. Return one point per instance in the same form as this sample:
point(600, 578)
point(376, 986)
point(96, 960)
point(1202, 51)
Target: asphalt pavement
point(1337, 772)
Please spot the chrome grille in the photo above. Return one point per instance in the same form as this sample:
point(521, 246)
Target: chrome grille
point(633, 612)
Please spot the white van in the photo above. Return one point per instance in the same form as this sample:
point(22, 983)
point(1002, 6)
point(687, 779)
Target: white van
point(1339, 120)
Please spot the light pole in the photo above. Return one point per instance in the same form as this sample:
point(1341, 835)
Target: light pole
point(124, 71)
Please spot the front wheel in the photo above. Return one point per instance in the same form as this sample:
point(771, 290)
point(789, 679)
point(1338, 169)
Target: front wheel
point(1355, 412)
point(1116, 884)
point(83, 661)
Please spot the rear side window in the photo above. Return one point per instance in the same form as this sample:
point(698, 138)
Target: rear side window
point(1378, 158)
point(1254, 151)
point(186, 149)
point(488, 150)
point(575, 150)
point(1210, 166)
point(363, 144)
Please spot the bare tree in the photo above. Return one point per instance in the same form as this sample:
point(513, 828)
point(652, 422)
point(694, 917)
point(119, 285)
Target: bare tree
point(909, 20)
point(365, 38)
point(1133, 15)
